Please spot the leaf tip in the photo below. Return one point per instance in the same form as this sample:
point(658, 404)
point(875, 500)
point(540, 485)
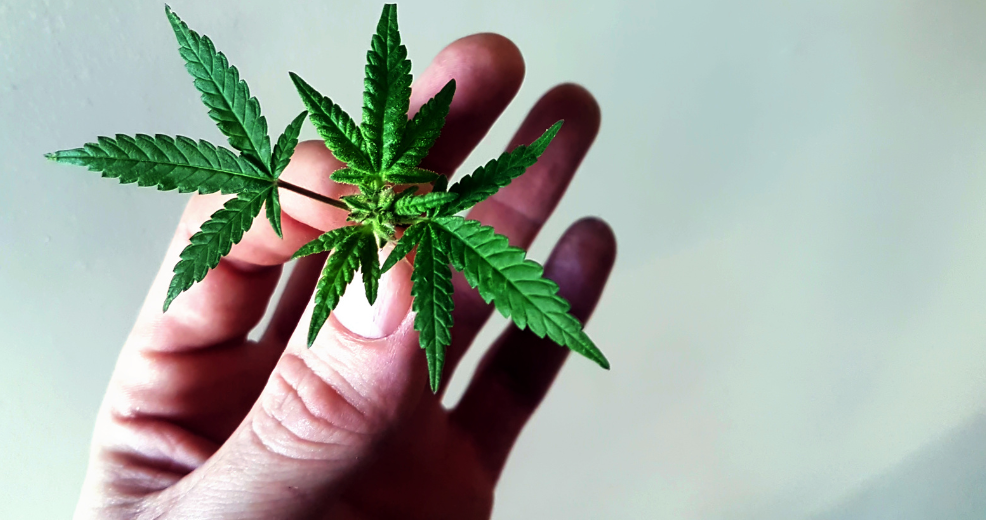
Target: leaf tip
point(167, 301)
point(553, 129)
point(299, 83)
point(172, 16)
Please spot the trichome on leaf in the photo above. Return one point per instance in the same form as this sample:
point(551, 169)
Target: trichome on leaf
point(382, 156)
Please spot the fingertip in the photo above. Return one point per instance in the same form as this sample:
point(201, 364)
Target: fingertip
point(490, 55)
point(490, 66)
point(581, 263)
point(380, 319)
point(575, 94)
point(488, 70)
point(573, 104)
point(596, 230)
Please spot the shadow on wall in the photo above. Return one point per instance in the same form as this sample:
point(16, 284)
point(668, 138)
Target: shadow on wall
point(945, 480)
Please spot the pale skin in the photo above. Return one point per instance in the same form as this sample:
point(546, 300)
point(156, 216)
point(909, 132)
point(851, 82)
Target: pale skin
point(200, 422)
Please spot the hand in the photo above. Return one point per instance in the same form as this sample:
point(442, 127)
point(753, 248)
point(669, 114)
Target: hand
point(200, 422)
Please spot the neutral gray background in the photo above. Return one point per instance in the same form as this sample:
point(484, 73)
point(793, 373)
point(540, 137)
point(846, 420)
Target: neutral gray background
point(796, 316)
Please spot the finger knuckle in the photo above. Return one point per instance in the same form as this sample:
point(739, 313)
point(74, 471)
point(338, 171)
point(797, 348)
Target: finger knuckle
point(311, 413)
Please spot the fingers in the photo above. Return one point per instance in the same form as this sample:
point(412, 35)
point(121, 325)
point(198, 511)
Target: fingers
point(520, 209)
point(323, 407)
point(488, 70)
point(516, 373)
point(294, 299)
point(318, 418)
point(232, 298)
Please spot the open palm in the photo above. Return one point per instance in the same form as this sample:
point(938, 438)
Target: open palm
point(200, 422)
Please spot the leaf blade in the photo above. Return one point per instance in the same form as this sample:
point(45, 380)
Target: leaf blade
point(325, 242)
point(424, 128)
point(167, 163)
point(369, 265)
point(348, 176)
point(387, 91)
point(403, 246)
point(336, 276)
point(337, 129)
point(410, 176)
point(497, 173)
point(433, 304)
point(273, 205)
point(286, 143)
point(234, 110)
point(412, 206)
point(515, 284)
point(214, 240)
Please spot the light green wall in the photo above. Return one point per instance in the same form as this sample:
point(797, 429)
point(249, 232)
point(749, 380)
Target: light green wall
point(796, 317)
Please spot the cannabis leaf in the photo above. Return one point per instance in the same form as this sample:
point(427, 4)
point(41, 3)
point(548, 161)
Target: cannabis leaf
point(214, 240)
point(497, 173)
point(387, 91)
point(384, 152)
point(185, 165)
point(514, 284)
point(385, 147)
point(338, 272)
point(432, 291)
point(168, 164)
point(226, 95)
point(382, 156)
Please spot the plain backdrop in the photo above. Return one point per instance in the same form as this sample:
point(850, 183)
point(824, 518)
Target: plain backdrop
point(796, 317)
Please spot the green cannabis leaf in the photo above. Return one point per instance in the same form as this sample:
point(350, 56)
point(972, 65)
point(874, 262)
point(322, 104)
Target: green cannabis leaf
point(168, 164)
point(214, 240)
point(286, 144)
point(382, 156)
point(387, 91)
point(226, 95)
point(513, 283)
point(497, 173)
point(338, 272)
point(184, 165)
point(432, 291)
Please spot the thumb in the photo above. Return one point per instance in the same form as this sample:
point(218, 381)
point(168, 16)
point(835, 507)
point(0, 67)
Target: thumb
point(321, 412)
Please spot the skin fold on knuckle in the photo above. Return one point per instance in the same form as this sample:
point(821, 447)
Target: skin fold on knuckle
point(309, 413)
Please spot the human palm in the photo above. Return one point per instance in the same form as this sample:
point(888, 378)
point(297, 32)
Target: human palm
point(201, 422)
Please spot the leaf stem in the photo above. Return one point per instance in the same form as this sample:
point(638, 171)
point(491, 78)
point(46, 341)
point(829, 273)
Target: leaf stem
point(311, 194)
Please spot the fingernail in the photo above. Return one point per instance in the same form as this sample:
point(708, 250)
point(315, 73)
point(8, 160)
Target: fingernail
point(383, 317)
